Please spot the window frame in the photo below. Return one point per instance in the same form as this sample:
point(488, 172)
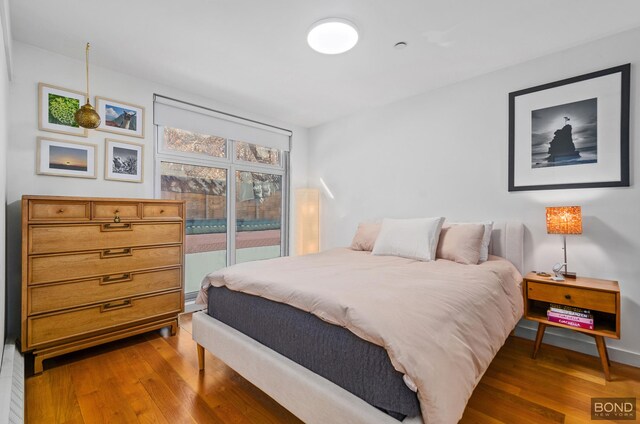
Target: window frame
point(231, 165)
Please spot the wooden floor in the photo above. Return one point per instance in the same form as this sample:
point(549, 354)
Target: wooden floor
point(154, 378)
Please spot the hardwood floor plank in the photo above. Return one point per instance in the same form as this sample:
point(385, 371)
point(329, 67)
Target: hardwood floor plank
point(154, 379)
point(107, 404)
point(168, 373)
point(173, 409)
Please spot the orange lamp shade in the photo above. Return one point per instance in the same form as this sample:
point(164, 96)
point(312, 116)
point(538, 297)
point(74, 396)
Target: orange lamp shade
point(564, 220)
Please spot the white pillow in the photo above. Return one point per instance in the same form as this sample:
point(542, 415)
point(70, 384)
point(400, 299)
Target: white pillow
point(409, 238)
point(486, 238)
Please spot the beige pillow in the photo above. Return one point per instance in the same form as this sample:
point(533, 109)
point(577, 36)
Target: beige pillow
point(366, 236)
point(461, 243)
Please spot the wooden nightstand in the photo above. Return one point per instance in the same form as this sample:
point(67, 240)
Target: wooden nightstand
point(602, 297)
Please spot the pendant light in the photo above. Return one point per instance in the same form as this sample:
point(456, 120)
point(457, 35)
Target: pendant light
point(86, 116)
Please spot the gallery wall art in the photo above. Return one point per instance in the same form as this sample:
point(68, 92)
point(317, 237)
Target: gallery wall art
point(572, 133)
point(120, 117)
point(63, 158)
point(123, 161)
point(56, 109)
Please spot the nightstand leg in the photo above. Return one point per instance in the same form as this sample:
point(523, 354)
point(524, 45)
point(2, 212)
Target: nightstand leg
point(539, 336)
point(604, 356)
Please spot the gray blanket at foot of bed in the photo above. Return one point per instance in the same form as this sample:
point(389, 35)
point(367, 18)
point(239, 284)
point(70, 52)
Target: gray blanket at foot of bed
point(333, 352)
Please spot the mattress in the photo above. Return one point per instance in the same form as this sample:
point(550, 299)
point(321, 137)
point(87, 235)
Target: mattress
point(330, 351)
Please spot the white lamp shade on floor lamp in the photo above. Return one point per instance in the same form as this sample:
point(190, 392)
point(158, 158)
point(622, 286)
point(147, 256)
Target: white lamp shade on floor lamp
point(307, 221)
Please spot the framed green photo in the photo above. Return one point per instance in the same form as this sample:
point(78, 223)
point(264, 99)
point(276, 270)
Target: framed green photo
point(56, 109)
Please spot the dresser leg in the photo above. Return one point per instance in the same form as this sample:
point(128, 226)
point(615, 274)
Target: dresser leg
point(604, 356)
point(174, 327)
point(200, 357)
point(539, 336)
point(37, 364)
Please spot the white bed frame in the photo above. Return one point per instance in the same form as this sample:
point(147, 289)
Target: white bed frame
point(307, 395)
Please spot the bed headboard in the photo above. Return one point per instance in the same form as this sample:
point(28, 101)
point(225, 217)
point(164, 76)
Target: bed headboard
point(507, 240)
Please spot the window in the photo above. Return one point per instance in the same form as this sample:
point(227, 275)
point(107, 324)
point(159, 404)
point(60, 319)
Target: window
point(253, 153)
point(179, 140)
point(235, 191)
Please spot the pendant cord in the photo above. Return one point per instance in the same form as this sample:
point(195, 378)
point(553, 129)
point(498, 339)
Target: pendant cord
point(87, 63)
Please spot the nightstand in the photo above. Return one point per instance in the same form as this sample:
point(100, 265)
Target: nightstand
point(602, 297)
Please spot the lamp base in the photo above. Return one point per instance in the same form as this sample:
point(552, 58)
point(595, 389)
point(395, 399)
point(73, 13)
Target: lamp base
point(571, 275)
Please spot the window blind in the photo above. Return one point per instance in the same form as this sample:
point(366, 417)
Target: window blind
point(172, 113)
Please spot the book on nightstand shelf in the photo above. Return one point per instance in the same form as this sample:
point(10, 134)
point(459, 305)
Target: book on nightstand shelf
point(570, 310)
point(567, 315)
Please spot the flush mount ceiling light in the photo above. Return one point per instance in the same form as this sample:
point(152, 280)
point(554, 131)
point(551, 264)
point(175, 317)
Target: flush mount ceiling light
point(332, 36)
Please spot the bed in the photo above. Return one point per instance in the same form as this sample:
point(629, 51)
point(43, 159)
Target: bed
point(248, 301)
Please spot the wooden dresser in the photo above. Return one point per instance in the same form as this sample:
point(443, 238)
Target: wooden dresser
point(96, 270)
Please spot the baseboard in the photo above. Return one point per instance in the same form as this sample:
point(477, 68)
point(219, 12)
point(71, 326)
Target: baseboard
point(12, 386)
point(572, 340)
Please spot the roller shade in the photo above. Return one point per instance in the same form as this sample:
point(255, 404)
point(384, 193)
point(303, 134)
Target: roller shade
point(171, 113)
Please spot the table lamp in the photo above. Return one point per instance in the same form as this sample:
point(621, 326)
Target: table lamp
point(564, 220)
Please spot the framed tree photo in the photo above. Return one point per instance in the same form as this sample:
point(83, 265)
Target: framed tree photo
point(123, 161)
point(572, 133)
point(56, 109)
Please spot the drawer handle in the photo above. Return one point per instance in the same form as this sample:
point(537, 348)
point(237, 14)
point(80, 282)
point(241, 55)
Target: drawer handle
point(114, 253)
point(161, 210)
point(115, 305)
point(109, 279)
point(61, 210)
point(116, 218)
point(567, 296)
point(116, 227)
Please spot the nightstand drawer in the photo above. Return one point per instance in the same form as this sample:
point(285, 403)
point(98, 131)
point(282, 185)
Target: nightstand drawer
point(578, 297)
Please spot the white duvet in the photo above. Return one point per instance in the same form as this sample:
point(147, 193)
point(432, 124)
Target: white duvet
point(440, 322)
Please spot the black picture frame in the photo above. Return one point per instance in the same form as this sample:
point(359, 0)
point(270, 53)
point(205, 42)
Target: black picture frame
point(623, 181)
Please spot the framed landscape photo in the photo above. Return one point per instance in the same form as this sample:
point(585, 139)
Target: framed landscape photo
point(572, 133)
point(120, 117)
point(56, 109)
point(64, 158)
point(123, 161)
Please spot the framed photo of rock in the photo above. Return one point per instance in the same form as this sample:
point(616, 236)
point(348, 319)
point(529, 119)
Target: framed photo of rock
point(572, 133)
point(123, 161)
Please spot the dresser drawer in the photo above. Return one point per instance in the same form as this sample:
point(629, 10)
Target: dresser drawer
point(573, 296)
point(161, 211)
point(69, 238)
point(49, 328)
point(57, 296)
point(52, 268)
point(58, 210)
point(109, 210)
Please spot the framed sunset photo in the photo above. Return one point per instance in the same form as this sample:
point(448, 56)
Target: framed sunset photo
point(62, 158)
point(120, 117)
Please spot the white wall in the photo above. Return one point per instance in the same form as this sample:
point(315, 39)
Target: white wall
point(33, 65)
point(4, 101)
point(445, 153)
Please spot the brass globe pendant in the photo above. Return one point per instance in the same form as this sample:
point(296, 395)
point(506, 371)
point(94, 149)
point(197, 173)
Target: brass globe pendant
point(86, 116)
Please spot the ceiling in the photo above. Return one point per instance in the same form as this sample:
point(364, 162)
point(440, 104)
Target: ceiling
point(252, 54)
